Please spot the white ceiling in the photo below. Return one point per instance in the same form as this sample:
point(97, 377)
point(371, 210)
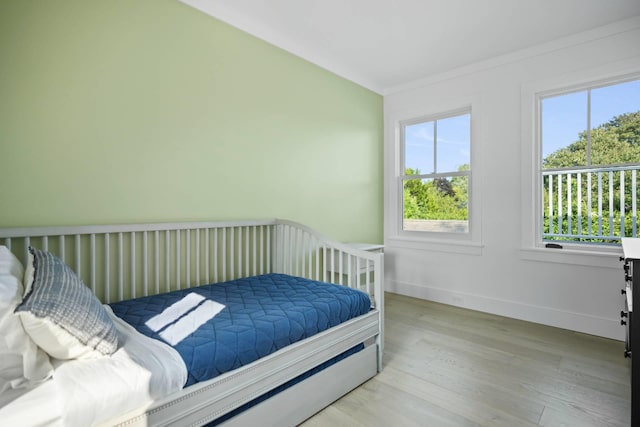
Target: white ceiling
point(387, 44)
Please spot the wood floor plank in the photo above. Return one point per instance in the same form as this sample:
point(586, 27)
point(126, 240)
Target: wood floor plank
point(381, 403)
point(447, 366)
point(476, 378)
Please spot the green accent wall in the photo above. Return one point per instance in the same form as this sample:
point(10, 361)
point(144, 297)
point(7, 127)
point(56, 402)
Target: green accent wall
point(125, 111)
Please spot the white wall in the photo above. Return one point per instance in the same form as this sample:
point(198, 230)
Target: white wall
point(501, 273)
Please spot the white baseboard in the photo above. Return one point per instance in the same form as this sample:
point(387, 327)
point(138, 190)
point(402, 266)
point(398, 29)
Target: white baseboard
point(608, 328)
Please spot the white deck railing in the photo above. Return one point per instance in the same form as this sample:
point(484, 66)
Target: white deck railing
point(597, 204)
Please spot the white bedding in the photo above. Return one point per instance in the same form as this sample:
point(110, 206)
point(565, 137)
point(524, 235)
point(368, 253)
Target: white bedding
point(90, 391)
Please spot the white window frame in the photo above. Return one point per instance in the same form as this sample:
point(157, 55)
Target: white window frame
point(533, 247)
point(465, 243)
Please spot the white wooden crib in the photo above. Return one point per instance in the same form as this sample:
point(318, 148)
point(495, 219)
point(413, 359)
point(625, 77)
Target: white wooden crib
point(126, 261)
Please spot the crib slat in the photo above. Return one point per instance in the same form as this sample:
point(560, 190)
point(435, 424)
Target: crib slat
point(61, 246)
point(120, 268)
point(145, 263)
point(325, 262)
point(156, 255)
point(367, 275)
point(305, 242)
point(284, 257)
point(178, 259)
point(262, 250)
point(239, 256)
point(167, 258)
point(107, 269)
point(215, 255)
point(290, 254)
point(295, 259)
point(278, 248)
point(188, 263)
point(206, 256)
point(242, 252)
point(340, 266)
point(315, 245)
point(306, 257)
point(255, 261)
point(311, 252)
point(77, 254)
point(301, 254)
point(45, 243)
point(27, 243)
point(246, 252)
point(296, 253)
point(268, 247)
point(232, 252)
point(133, 264)
point(198, 257)
point(92, 249)
point(224, 254)
point(333, 266)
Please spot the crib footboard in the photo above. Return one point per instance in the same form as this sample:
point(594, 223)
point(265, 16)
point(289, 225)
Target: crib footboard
point(301, 251)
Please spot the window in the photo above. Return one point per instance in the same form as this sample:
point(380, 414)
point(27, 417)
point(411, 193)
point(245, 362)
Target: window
point(435, 173)
point(589, 163)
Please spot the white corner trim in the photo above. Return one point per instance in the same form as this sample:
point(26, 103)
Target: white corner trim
point(223, 12)
point(605, 31)
point(603, 327)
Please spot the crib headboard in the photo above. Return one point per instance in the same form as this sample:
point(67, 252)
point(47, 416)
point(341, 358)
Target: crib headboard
point(126, 261)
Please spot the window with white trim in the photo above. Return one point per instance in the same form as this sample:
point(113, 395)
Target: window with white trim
point(589, 158)
point(435, 173)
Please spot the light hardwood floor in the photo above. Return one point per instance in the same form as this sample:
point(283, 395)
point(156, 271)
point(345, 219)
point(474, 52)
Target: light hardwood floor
point(446, 366)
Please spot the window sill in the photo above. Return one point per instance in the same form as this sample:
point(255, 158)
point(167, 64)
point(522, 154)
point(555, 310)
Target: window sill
point(606, 259)
point(456, 247)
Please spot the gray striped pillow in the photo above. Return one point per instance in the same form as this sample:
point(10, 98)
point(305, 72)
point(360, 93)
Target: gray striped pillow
point(61, 314)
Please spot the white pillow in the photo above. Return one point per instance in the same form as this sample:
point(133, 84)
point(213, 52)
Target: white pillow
point(62, 315)
point(22, 363)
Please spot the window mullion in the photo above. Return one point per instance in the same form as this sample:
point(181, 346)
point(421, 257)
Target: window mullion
point(435, 146)
point(589, 127)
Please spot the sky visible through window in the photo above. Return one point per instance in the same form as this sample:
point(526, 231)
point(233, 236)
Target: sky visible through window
point(453, 145)
point(565, 116)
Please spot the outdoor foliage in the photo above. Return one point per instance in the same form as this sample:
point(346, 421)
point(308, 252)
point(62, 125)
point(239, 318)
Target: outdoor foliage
point(439, 198)
point(614, 143)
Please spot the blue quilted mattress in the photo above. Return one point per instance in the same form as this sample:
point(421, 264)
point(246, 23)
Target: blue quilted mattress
point(218, 328)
